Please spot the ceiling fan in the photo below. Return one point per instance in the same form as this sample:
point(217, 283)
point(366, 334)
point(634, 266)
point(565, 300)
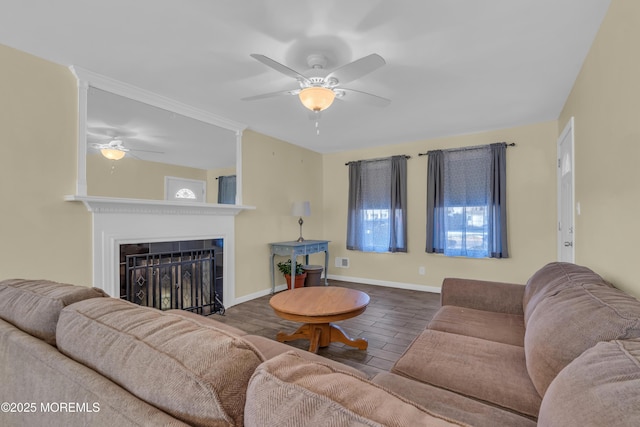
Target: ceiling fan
point(115, 150)
point(112, 150)
point(318, 88)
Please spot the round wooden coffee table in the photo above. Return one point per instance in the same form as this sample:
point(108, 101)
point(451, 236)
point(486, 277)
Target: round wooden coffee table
point(317, 307)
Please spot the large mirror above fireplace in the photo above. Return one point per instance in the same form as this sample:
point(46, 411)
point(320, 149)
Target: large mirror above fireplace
point(159, 139)
point(126, 197)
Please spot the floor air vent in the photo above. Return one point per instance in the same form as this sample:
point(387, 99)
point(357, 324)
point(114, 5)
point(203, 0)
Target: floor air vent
point(342, 262)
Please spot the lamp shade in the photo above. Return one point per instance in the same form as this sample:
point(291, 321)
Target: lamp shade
point(316, 98)
point(301, 209)
point(112, 153)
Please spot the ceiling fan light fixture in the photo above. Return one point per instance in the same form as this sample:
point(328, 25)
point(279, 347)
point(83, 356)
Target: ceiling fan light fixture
point(112, 153)
point(316, 98)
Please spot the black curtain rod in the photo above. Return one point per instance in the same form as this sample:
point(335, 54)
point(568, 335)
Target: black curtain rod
point(513, 144)
point(374, 160)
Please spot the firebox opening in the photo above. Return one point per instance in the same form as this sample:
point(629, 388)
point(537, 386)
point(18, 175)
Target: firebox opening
point(185, 275)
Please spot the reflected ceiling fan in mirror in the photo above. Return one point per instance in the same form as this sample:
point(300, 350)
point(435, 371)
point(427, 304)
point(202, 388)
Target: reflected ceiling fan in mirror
point(115, 149)
point(318, 89)
point(110, 142)
point(112, 150)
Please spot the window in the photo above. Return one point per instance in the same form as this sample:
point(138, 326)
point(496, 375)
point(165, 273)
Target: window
point(466, 202)
point(185, 190)
point(185, 193)
point(377, 211)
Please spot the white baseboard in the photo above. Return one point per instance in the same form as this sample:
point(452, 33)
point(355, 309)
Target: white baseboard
point(256, 295)
point(398, 285)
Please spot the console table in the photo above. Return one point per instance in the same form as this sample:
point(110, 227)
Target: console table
point(294, 249)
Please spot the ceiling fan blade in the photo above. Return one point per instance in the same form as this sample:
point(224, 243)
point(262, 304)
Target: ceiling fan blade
point(145, 151)
point(108, 132)
point(272, 94)
point(363, 97)
point(356, 69)
point(279, 67)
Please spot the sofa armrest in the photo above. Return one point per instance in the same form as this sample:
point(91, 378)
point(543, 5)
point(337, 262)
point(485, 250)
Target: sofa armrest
point(483, 295)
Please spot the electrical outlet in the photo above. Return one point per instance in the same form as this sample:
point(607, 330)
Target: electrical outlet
point(421, 271)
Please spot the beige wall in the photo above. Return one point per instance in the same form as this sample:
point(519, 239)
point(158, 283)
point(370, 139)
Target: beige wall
point(531, 198)
point(41, 235)
point(133, 178)
point(38, 122)
point(275, 174)
point(605, 102)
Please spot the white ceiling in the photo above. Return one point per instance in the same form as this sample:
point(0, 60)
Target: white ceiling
point(452, 66)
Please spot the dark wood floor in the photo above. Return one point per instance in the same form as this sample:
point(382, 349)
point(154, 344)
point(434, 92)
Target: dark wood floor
point(392, 320)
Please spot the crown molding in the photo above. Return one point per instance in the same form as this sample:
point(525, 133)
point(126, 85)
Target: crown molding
point(89, 78)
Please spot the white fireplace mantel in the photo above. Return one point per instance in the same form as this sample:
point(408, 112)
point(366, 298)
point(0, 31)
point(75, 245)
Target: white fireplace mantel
point(99, 204)
point(119, 221)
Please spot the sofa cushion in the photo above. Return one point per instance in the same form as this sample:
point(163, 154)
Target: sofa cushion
point(599, 388)
point(195, 372)
point(450, 404)
point(34, 372)
point(551, 279)
point(566, 324)
point(291, 391)
point(207, 321)
point(483, 295)
point(488, 325)
point(485, 370)
point(34, 305)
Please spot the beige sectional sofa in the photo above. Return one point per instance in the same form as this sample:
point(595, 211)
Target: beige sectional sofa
point(562, 350)
point(71, 356)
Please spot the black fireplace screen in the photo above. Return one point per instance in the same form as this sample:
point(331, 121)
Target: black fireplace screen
point(174, 275)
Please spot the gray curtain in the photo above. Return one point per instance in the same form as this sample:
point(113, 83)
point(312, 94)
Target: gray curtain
point(435, 202)
point(498, 247)
point(466, 202)
point(354, 206)
point(377, 205)
point(227, 190)
point(398, 197)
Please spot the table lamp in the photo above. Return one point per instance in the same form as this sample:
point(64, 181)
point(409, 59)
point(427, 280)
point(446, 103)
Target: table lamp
point(301, 209)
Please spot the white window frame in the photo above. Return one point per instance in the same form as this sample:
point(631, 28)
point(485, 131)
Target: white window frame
point(198, 187)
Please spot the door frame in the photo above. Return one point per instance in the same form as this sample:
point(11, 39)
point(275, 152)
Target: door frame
point(569, 131)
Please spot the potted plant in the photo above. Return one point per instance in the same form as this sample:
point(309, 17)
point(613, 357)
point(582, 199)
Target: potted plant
point(285, 268)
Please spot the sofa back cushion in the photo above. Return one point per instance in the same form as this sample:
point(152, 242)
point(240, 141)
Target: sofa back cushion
point(599, 388)
point(566, 324)
point(189, 369)
point(289, 390)
point(551, 279)
point(34, 305)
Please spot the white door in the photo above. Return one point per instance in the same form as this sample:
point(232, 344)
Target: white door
point(566, 246)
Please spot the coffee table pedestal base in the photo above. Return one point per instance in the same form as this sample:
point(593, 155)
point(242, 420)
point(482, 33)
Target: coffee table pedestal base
point(321, 335)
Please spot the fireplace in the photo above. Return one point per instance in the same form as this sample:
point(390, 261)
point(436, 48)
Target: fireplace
point(185, 275)
point(118, 222)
